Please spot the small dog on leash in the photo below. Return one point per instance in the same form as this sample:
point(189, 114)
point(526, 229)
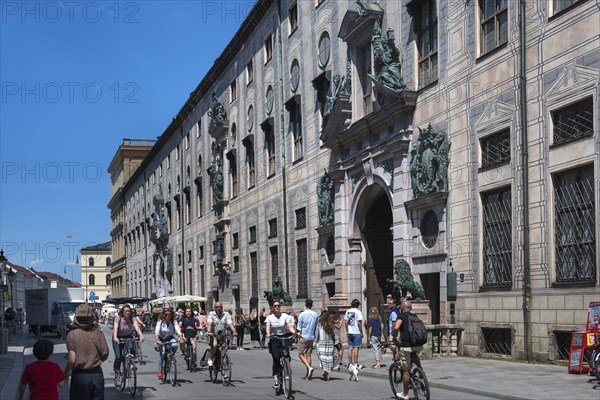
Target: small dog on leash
point(353, 369)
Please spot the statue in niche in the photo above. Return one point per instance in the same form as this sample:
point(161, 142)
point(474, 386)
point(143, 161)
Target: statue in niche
point(386, 57)
point(325, 195)
point(169, 271)
point(429, 163)
point(220, 243)
point(216, 178)
point(338, 87)
point(403, 286)
point(277, 293)
point(217, 112)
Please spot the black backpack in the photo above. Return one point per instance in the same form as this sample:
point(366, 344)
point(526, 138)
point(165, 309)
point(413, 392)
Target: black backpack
point(417, 334)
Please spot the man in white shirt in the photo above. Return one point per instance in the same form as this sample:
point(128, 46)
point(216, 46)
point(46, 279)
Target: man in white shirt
point(307, 323)
point(217, 320)
point(354, 327)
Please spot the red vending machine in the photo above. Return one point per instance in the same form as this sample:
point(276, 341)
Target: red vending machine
point(583, 342)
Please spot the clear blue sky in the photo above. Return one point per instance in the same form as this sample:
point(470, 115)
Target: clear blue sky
point(76, 78)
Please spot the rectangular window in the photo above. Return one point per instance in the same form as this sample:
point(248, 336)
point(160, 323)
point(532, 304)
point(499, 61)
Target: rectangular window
point(214, 246)
point(497, 238)
point(249, 72)
point(363, 67)
point(497, 340)
point(190, 281)
point(296, 128)
point(302, 253)
point(200, 252)
point(428, 43)
point(268, 48)
point(189, 256)
point(168, 161)
point(234, 177)
point(188, 209)
point(274, 261)
point(573, 121)
point(293, 18)
point(301, 218)
point(560, 5)
point(494, 24)
point(236, 242)
point(236, 264)
point(232, 91)
point(178, 259)
point(270, 142)
point(186, 140)
point(273, 228)
point(574, 220)
point(252, 233)
point(177, 150)
point(199, 205)
point(254, 269)
point(495, 149)
point(251, 165)
point(202, 281)
point(198, 128)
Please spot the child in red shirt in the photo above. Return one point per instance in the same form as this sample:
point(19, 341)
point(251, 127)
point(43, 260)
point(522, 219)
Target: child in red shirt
point(42, 375)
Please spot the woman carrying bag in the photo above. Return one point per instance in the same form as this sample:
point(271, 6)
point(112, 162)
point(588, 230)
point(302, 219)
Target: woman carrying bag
point(327, 343)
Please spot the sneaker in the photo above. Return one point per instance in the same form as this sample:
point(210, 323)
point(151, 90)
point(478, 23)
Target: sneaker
point(276, 385)
point(337, 367)
point(401, 396)
point(310, 373)
point(210, 362)
point(159, 375)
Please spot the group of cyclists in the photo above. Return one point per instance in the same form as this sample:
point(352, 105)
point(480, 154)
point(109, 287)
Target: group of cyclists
point(173, 328)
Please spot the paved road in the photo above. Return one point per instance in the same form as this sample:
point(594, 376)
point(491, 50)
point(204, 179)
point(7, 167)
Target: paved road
point(250, 379)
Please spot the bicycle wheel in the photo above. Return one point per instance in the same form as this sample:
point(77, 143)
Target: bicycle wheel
point(131, 378)
point(138, 354)
point(173, 371)
point(118, 378)
point(123, 374)
point(396, 379)
point(420, 385)
point(188, 357)
point(165, 367)
point(286, 375)
point(225, 369)
point(214, 370)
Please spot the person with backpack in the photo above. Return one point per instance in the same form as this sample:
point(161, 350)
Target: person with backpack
point(410, 343)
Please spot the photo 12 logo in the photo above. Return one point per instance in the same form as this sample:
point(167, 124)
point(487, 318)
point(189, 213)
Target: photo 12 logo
point(50, 172)
point(226, 11)
point(52, 12)
point(69, 92)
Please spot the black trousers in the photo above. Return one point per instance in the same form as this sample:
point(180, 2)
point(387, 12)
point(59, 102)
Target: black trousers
point(87, 384)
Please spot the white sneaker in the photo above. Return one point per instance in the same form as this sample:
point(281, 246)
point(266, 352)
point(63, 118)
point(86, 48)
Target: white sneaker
point(210, 362)
point(401, 396)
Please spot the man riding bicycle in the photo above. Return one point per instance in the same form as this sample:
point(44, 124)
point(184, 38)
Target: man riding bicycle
point(278, 324)
point(404, 350)
point(188, 326)
point(218, 322)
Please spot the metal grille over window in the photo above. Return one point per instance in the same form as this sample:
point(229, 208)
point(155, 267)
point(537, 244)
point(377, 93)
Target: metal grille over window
point(497, 238)
point(574, 121)
point(575, 225)
point(254, 268)
point(495, 149)
point(563, 343)
point(252, 231)
point(302, 268)
point(273, 228)
point(497, 340)
point(301, 218)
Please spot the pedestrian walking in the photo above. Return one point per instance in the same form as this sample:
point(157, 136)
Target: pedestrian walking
point(42, 375)
point(340, 330)
point(262, 318)
point(354, 327)
point(307, 323)
point(240, 325)
point(375, 334)
point(254, 329)
point(86, 350)
point(326, 341)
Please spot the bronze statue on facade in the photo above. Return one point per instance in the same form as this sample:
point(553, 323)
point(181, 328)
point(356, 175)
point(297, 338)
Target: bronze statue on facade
point(325, 195)
point(429, 162)
point(216, 178)
point(387, 67)
point(217, 112)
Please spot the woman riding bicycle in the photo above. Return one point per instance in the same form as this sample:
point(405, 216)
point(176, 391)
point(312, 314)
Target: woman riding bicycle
point(166, 331)
point(278, 324)
point(124, 327)
point(188, 326)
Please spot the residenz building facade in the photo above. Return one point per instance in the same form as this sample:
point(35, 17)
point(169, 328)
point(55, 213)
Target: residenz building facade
point(334, 142)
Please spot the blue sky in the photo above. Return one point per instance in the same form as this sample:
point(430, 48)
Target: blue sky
point(76, 78)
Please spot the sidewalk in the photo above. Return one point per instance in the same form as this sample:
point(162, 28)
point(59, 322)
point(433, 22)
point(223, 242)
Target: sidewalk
point(11, 366)
point(498, 379)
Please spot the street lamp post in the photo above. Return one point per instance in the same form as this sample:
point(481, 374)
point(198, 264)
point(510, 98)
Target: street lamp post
point(12, 280)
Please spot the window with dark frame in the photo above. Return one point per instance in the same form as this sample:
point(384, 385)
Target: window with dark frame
point(236, 263)
point(301, 218)
point(189, 257)
point(573, 121)
point(254, 269)
point(293, 18)
point(495, 149)
point(252, 232)
point(296, 128)
point(273, 228)
point(270, 144)
point(274, 261)
point(236, 242)
point(302, 268)
point(200, 252)
point(202, 281)
point(232, 91)
point(497, 238)
point(428, 42)
point(560, 5)
point(268, 48)
point(494, 24)
point(249, 72)
point(574, 220)
point(234, 176)
point(251, 164)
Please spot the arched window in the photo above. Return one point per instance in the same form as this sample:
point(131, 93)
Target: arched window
point(91, 261)
point(108, 279)
point(92, 279)
point(108, 261)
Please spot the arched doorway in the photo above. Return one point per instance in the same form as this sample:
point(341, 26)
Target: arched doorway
point(374, 219)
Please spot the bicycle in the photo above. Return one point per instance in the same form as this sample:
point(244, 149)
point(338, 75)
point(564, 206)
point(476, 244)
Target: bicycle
point(126, 376)
point(285, 376)
point(418, 382)
point(221, 361)
point(169, 365)
point(137, 349)
point(190, 351)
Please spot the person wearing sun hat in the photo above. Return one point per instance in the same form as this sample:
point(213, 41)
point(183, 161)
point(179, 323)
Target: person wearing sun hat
point(87, 349)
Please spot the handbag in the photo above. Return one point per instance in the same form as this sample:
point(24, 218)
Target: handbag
point(338, 345)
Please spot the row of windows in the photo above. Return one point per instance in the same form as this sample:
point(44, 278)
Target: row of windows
point(92, 261)
point(92, 279)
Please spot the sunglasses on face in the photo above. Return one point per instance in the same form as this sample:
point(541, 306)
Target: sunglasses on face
point(276, 305)
point(218, 307)
point(168, 314)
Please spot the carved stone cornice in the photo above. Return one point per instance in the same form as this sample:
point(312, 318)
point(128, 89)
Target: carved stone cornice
point(338, 121)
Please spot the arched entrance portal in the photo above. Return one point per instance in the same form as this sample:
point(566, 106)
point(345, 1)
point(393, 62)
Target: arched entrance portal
point(374, 219)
